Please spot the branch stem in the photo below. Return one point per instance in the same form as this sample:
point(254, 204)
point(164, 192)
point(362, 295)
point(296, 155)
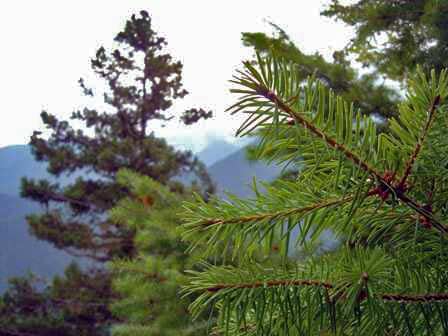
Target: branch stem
point(298, 118)
point(283, 213)
point(387, 297)
point(398, 191)
point(419, 144)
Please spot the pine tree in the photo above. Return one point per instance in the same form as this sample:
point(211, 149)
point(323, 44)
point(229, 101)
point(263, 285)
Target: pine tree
point(142, 83)
point(382, 195)
point(148, 285)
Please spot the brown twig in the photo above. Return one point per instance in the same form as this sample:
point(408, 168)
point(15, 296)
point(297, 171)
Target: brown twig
point(419, 144)
point(283, 213)
point(271, 283)
point(317, 132)
point(387, 297)
point(417, 298)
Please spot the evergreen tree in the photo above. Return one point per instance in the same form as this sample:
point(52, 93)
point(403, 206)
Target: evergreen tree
point(142, 83)
point(382, 195)
point(148, 285)
point(396, 35)
point(76, 304)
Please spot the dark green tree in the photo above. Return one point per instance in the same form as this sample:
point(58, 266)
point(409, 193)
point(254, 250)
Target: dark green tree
point(75, 304)
point(142, 83)
point(394, 36)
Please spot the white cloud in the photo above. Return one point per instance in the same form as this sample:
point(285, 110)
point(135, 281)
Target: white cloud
point(47, 45)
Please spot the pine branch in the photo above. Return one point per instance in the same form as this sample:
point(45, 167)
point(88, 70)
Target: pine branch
point(419, 144)
point(271, 283)
point(299, 119)
point(397, 191)
point(284, 213)
point(388, 297)
point(418, 298)
point(371, 284)
point(420, 210)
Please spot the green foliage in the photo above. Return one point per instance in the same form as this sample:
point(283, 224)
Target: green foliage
point(148, 285)
point(395, 36)
point(365, 91)
point(382, 195)
point(74, 305)
point(142, 81)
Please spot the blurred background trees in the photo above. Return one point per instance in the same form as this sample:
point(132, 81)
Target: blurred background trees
point(142, 82)
point(148, 285)
point(394, 36)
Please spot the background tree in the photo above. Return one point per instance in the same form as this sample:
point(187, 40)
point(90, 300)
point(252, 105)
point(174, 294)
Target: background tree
point(75, 304)
point(394, 36)
point(383, 195)
point(148, 285)
point(368, 92)
point(142, 83)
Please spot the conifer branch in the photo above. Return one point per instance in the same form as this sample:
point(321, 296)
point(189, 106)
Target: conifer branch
point(283, 213)
point(271, 96)
point(420, 210)
point(418, 298)
point(371, 284)
point(271, 283)
point(388, 297)
point(419, 144)
point(356, 159)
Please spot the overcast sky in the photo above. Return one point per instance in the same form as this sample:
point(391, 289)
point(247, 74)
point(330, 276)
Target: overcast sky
point(47, 45)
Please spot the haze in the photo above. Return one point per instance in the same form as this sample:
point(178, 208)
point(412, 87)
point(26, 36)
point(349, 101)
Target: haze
point(47, 46)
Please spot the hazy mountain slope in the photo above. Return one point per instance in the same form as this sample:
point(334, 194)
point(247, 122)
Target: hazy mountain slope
point(20, 252)
point(216, 150)
point(234, 173)
point(16, 162)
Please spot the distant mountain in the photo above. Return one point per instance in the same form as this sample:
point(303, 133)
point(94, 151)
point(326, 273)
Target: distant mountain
point(20, 252)
point(216, 150)
point(235, 173)
point(15, 163)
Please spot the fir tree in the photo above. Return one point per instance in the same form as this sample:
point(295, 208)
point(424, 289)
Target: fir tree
point(142, 83)
point(148, 285)
point(382, 195)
